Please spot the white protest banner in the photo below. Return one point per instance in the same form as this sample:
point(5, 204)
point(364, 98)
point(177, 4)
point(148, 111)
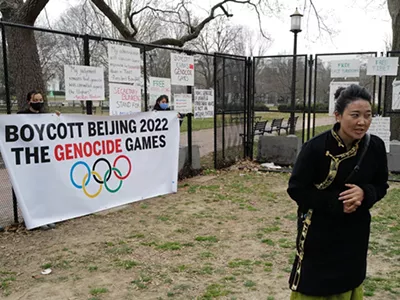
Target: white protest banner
point(123, 64)
point(203, 104)
point(334, 85)
point(396, 95)
point(157, 87)
point(183, 103)
point(73, 165)
point(182, 69)
point(125, 99)
point(380, 126)
point(345, 68)
point(382, 66)
point(84, 83)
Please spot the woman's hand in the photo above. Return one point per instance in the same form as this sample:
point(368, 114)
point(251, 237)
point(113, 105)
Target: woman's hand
point(352, 198)
point(57, 113)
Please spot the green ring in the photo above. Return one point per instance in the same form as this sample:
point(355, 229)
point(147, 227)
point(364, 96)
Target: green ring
point(120, 182)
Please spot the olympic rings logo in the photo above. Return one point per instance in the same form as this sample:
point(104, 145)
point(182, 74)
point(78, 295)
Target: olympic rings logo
point(97, 177)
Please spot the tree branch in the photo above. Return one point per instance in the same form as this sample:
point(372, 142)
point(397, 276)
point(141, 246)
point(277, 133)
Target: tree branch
point(114, 19)
point(30, 10)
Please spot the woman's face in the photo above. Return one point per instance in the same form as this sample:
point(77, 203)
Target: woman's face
point(355, 120)
point(37, 98)
point(163, 100)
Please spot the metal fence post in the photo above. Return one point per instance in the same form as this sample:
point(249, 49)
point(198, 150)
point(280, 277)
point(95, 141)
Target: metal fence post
point(189, 132)
point(216, 93)
point(146, 105)
point(311, 62)
point(86, 54)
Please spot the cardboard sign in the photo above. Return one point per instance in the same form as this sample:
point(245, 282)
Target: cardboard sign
point(382, 66)
point(380, 126)
point(182, 69)
point(84, 83)
point(157, 87)
point(203, 104)
point(123, 64)
point(183, 103)
point(345, 68)
point(125, 99)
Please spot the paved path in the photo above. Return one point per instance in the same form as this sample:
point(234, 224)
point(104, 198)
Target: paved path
point(205, 138)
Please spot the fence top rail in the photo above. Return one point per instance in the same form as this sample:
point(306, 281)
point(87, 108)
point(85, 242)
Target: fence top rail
point(346, 53)
point(145, 46)
point(234, 56)
point(281, 56)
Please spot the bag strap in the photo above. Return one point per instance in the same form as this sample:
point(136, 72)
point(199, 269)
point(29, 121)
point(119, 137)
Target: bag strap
point(364, 150)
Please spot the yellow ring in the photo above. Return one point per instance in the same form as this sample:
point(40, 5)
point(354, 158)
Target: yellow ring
point(84, 187)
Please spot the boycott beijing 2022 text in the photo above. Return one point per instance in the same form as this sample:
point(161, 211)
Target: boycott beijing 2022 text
point(151, 128)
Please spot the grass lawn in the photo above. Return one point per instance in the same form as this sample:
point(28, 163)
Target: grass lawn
point(229, 236)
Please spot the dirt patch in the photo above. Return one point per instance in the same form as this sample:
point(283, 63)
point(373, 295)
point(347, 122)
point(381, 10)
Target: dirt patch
point(228, 237)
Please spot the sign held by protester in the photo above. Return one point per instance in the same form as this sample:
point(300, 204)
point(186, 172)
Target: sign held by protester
point(87, 163)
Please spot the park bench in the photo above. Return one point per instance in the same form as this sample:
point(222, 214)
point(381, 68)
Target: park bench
point(287, 126)
point(276, 125)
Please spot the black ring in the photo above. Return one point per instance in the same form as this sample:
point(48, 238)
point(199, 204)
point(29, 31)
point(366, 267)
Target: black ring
point(109, 173)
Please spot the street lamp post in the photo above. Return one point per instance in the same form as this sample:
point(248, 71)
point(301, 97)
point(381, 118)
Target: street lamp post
point(295, 28)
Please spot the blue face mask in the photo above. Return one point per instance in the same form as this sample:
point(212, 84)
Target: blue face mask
point(163, 106)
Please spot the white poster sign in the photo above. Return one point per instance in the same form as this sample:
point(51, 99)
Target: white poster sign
point(123, 64)
point(334, 85)
point(396, 95)
point(182, 69)
point(125, 99)
point(183, 103)
point(87, 163)
point(157, 87)
point(382, 66)
point(345, 68)
point(84, 83)
point(380, 126)
point(203, 104)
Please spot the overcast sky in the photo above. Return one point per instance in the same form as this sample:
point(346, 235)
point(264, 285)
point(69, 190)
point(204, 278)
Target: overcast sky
point(358, 28)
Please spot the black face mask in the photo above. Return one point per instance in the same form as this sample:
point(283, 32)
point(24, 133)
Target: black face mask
point(37, 106)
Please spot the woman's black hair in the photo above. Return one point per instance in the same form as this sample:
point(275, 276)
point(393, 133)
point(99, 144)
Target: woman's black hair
point(30, 94)
point(344, 96)
point(157, 105)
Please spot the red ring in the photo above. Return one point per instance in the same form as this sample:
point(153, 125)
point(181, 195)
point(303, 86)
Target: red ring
point(130, 167)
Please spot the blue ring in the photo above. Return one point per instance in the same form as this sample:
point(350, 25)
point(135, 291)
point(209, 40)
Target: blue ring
point(72, 171)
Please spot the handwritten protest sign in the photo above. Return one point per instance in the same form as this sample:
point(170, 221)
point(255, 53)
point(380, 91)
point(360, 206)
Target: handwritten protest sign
point(382, 66)
point(183, 103)
point(203, 104)
point(123, 64)
point(380, 126)
point(157, 87)
point(84, 83)
point(334, 85)
point(182, 69)
point(396, 95)
point(124, 99)
point(345, 68)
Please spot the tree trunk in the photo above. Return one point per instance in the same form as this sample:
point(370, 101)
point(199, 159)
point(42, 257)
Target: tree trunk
point(24, 64)
point(25, 71)
point(394, 11)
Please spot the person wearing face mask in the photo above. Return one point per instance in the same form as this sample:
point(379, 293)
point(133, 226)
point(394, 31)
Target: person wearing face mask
point(36, 106)
point(162, 104)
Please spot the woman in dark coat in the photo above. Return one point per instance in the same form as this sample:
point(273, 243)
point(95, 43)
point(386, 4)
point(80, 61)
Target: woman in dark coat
point(162, 103)
point(334, 197)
